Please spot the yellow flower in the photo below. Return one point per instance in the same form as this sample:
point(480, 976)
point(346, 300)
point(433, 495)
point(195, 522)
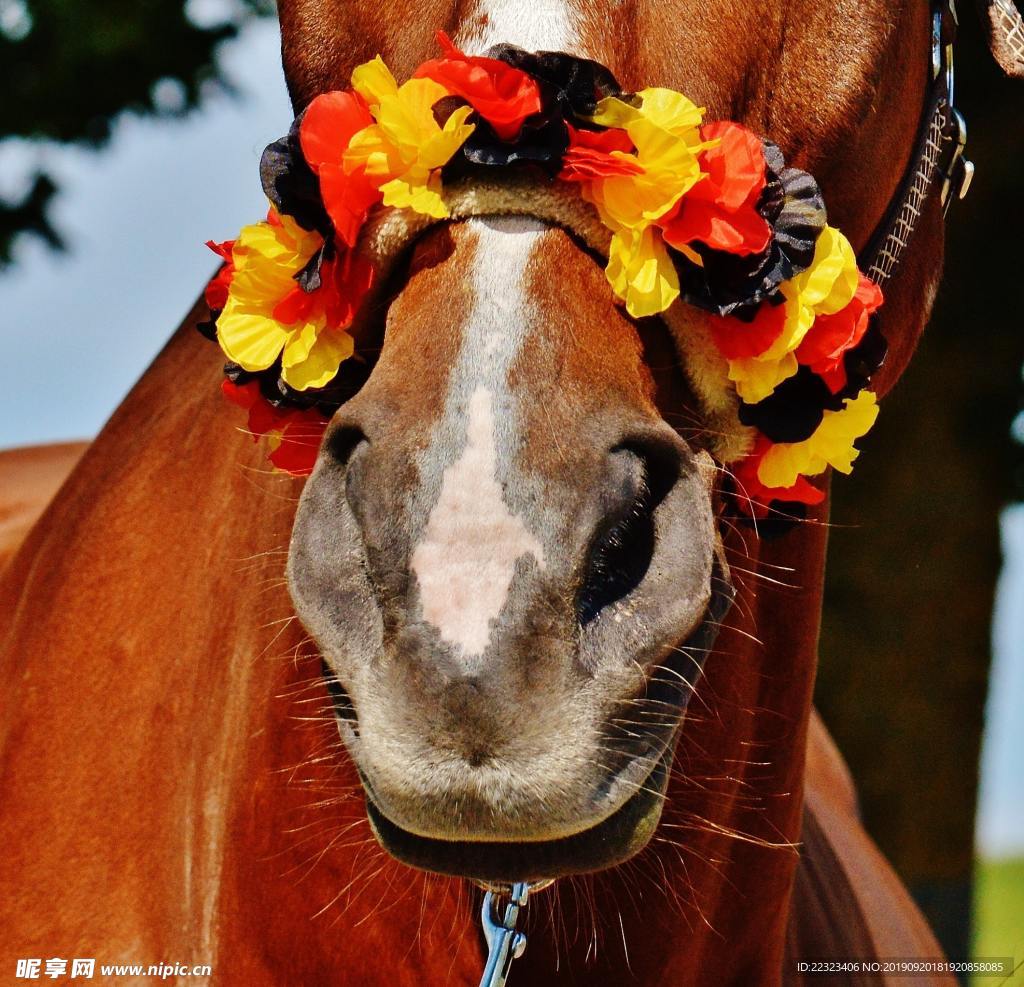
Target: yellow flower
point(374, 82)
point(404, 149)
point(664, 108)
point(664, 130)
point(312, 355)
point(826, 287)
point(266, 257)
point(756, 378)
point(830, 445)
point(641, 272)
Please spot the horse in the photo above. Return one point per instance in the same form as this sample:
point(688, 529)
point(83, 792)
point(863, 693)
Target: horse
point(176, 787)
point(30, 477)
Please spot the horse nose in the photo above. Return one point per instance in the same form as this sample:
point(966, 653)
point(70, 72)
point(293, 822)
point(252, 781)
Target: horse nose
point(643, 470)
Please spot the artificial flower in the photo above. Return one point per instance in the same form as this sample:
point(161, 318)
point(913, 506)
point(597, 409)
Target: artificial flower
point(664, 108)
point(663, 126)
point(832, 444)
point(291, 185)
point(502, 94)
point(792, 205)
point(832, 336)
point(757, 498)
point(641, 272)
point(825, 288)
point(756, 378)
point(268, 316)
point(294, 434)
point(720, 211)
point(793, 411)
point(216, 293)
point(327, 127)
point(738, 339)
point(790, 313)
point(403, 151)
point(571, 86)
point(542, 141)
point(861, 362)
point(598, 154)
point(570, 89)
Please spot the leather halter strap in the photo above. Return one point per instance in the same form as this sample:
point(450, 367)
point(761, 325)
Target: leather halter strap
point(937, 161)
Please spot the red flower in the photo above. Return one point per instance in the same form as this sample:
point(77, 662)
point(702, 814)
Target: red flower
point(298, 433)
point(756, 498)
point(348, 277)
point(736, 339)
point(589, 155)
point(345, 279)
point(721, 209)
point(831, 336)
point(219, 286)
point(300, 443)
point(327, 127)
point(502, 94)
point(263, 416)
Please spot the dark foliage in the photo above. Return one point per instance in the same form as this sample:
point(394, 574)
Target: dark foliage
point(68, 69)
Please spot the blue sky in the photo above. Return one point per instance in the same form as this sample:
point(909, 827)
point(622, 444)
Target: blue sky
point(136, 217)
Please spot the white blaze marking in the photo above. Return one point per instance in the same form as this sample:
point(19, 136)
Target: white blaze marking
point(536, 25)
point(466, 560)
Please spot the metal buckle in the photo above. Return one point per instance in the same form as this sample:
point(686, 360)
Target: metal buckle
point(957, 172)
point(504, 943)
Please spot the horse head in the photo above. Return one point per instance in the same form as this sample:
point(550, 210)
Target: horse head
point(507, 556)
point(510, 553)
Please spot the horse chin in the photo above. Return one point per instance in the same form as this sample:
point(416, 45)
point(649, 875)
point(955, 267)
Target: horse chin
point(609, 843)
point(608, 834)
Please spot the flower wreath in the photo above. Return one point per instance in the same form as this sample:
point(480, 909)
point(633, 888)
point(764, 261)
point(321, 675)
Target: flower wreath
point(703, 213)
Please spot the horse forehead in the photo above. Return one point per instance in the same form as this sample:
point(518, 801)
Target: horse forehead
point(536, 26)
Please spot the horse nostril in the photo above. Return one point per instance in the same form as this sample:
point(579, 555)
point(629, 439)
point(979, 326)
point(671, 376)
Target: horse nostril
point(343, 707)
point(343, 442)
point(621, 550)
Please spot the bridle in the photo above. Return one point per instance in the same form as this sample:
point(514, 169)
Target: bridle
point(938, 160)
point(937, 164)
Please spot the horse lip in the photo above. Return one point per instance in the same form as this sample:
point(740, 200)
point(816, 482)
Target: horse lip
point(606, 844)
